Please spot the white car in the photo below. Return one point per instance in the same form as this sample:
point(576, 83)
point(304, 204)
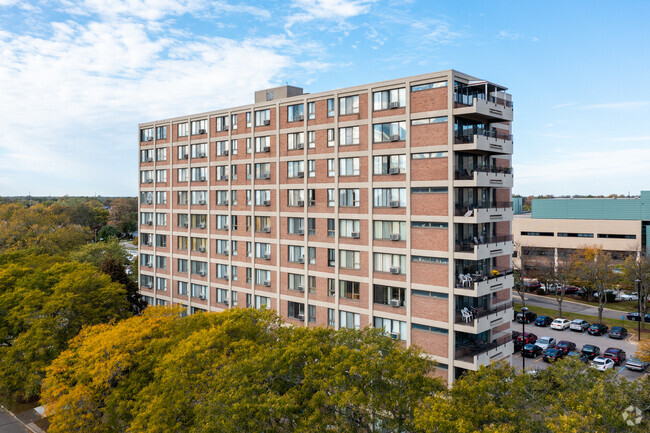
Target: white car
point(579, 325)
point(602, 364)
point(560, 324)
point(628, 297)
point(546, 342)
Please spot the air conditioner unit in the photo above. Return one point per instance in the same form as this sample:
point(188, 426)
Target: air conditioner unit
point(394, 303)
point(149, 286)
point(355, 235)
point(202, 225)
point(300, 117)
point(394, 236)
point(301, 259)
point(225, 153)
point(200, 155)
point(267, 202)
point(394, 335)
point(393, 105)
point(225, 226)
point(202, 202)
point(225, 203)
point(394, 203)
point(183, 156)
point(266, 176)
point(394, 137)
point(301, 289)
point(267, 283)
point(149, 202)
point(267, 122)
point(225, 277)
point(148, 139)
point(202, 297)
point(394, 170)
point(148, 181)
point(266, 229)
point(266, 149)
point(201, 249)
point(394, 269)
point(225, 302)
point(300, 232)
point(202, 273)
point(300, 146)
point(201, 131)
point(184, 225)
point(301, 203)
point(301, 174)
point(201, 178)
point(149, 159)
point(225, 252)
point(267, 256)
point(148, 265)
point(224, 177)
point(149, 223)
point(225, 127)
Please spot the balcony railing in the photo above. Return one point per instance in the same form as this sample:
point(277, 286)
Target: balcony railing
point(467, 245)
point(469, 137)
point(464, 99)
point(467, 280)
point(463, 208)
point(470, 350)
point(468, 173)
point(477, 313)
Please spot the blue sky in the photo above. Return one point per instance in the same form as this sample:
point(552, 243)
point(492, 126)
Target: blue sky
point(76, 77)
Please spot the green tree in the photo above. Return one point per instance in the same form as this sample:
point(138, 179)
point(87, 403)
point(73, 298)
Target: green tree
point(594, 267)
point(107, 232)
point(45, 301)
point(124, 214)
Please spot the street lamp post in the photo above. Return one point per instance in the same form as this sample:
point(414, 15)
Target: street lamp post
point(637, 283)
point(524, 310)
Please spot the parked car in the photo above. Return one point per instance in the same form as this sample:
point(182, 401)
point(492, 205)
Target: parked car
point(616, 355)
point(551, 355)
point(527, 338)
point(566, 346)
point(579, 325)
point(560, 324)
point(636, 317)
point(579, 356)
point(546, 342)
point(517, 344)
point(602, 364)
point(543, 321)
point(531, 351)
point(528, 317)
point(532, 285)
point(597, 329)
point(571, 290)
point(590, 351)
point(618, 333)
point(636, 364)
point(628, 297)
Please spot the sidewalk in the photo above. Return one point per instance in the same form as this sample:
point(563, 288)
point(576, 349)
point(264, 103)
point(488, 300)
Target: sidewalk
point(23, 422)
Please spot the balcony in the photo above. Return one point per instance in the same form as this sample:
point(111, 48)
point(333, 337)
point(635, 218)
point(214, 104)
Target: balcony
point(481, 107)
point(481, 176)
point(482, 320)
point(483, 212)
point(471, 356)
point(479, 248)
point(481, 285)
point(485, 141)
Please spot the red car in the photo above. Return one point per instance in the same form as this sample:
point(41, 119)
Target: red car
point(566, 346)
point(616, 355)
point(527, 338)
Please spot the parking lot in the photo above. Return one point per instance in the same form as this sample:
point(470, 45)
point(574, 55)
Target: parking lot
point(580, 339)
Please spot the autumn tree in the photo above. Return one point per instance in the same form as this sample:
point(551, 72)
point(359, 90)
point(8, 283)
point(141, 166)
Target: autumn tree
point(236, 371)
point(45, 301)
point(594, 267)
point(636, 270)
point(124, 214)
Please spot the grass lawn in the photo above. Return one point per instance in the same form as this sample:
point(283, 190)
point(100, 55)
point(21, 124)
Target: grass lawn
point(626, 306)
point(551, 312)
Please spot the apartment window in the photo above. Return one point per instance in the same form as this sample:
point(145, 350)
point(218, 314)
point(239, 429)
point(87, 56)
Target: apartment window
point(263, 224)
point(262, 302)
point(234, 122)
point(182, 265)
point(222, 294)
point(348, 228)
point(296, 310)
point(146, 239)
point(331, 315)
point(146, 155)
point(296, 141)
point(199, 197)
point(161, 154)
point(182, 243)
point(349, 259)
point(222, 123)
point(311, 253)
point(198, 150)
point(233, 146)
point(199, 221)
point(348, 136)
point(311, 110)
point(296, 226)
point(263, 170)
point(222, 246)
point(262, 250)
point(331, 287)
point(262, 277)
point(311, 139)
point(199, 127)
point(146, 197)
point(161, 262)
point(394, 328)
point(263, 117)
point(182, 288)
point(249, 249)
point(146, 176)
point(161, 219)
point(221, 172)
point(161, 197)
point(387, 99)
point(161, 176)
point(311, 197)
point(349, 320)
point(430, 120)
point(430, 190)
point(349, 197)
point(182, 220)
point(182, 129)
point(331, 257)
point(199, 244)
point(331, 167)
point(389, 164)
point(235, 276)
point(146, 260)
point(234, 222)
point(349, 105)
point(198, 268)
point(349, 289)
point(146, 134)
point(331, 197)
point(262, 144)
point(182, 152)
point(389, 230)
point(331, 227)
point(311, 168)
point(295, 169)
point(387, 132)
point(222, 148)
point(331, 138)
point(198, 291)
point(222, 198)
point(311, 226)
point(221, 222)
point(295, 112)
point(428, 86)
point(233, 170)
point(348, 166)
point(331, 108)
point(248, 120)
point(393, 263)
point(161, 132)
point(181, 197)
point(198, 174)
point(249, 222)
point(387, 295)
point(389, 197)
point(296, 282)
point(311, 282)
point(296, 253)
point(262, 196)
point(146, 218)
point(428, 225)
point(312, 313)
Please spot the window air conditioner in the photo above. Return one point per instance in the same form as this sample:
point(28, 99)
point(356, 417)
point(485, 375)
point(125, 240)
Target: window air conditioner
point(202, 273)
point(266, 229)
point(393, 105)
point(184, 225)
point(300, 117)
point(202, 202)
point(267, 149)
point(301, 289)
point(224, 153)
point(200, 155)
point(267, 122)
point(394, 302)
point(225, 252)
point(224, 177)
point(394, 269)
point(301, 174)
point(202, 297)
point(267, 283)
point(225, 203)
point(148, 265)
point(394, 335)
point(225, 226)
point(225, 127)
point(201, 249)
point(394, 203)
point(301, 259)
point(149, 223)
point(225, 277)
point(201, 131)
point(148, 139)
point(394, 137)
point(148, 181)
point(301, 203)
point(394, 237)
point(394, 170)
point(266, 175)
point(201, 178)
point(225, 302)
point(300, 317)
point(150, 159)
point(267, 202)
point(183, 156)
point(300, 146)
point(300, 232)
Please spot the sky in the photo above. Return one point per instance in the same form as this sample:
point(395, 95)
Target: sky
point(77, 76)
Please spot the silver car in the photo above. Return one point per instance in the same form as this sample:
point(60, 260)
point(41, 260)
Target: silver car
point(636, 364)
point(579, 325)
point(546, 342)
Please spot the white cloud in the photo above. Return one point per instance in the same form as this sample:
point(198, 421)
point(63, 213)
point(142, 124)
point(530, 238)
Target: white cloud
point(333, 10)
point(626, 105)
point(143, 9)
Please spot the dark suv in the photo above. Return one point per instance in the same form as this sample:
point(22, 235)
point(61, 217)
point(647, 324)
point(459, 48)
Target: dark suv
point(616, 355)
point(597, 329)
point(528, 317)
point(618, 333)
point(590, 351)
point(543, 321)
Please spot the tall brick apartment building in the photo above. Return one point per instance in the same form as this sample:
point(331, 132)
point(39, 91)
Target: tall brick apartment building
point(386, 204)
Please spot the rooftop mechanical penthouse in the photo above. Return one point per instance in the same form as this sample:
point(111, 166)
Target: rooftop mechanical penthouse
point(385, 205)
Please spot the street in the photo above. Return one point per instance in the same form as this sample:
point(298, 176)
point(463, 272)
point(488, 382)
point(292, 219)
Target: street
point(569, 306)
point(9, 424)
